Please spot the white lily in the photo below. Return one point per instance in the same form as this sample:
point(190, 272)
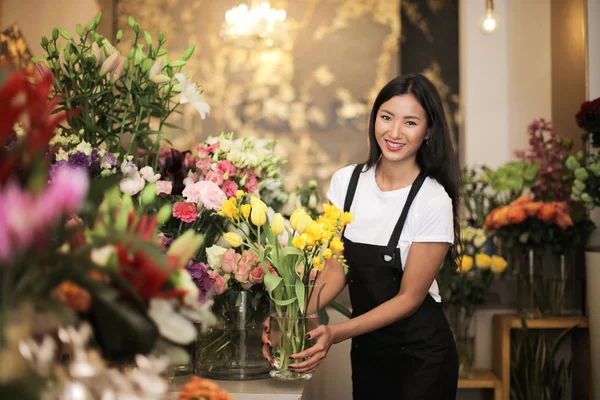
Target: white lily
point(171, 325)
point(190, 93)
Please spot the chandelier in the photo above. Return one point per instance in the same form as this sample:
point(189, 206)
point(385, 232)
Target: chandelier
point(255, 24)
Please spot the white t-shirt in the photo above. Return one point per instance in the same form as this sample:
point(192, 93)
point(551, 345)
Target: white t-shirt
point(376, 213)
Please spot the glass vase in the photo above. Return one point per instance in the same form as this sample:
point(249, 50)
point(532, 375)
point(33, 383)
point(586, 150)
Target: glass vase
point(529, 279)
point(232, 350)
point(461, 321)
point(289, 324)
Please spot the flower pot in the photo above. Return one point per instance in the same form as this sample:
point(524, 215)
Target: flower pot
point(232, 350)
point(289, 325)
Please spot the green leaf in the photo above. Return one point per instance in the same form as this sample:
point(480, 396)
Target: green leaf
point(91, 25)
point(79, 29)
point(161, 37)
point(98, 18)
point(119, 34)
point(188, 53)
point(131, 21)
point(147, 37)
point(271, 281)
point(62, 32)
point(286, 302)
point(177, 64)
point(161, 53)
point(299, 286)
point(54, 34)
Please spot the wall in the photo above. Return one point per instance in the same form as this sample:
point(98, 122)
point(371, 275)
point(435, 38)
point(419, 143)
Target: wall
point(37, 18)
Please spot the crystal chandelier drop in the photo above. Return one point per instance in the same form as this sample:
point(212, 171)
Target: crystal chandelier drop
point(254, 24)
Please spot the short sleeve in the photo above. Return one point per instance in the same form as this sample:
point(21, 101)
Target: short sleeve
point(339, 186)
point(436, 222)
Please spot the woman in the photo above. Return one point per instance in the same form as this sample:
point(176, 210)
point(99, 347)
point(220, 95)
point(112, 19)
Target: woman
point(405, 203)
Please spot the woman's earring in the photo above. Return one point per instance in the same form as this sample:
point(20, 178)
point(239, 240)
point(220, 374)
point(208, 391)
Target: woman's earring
point(426, 141)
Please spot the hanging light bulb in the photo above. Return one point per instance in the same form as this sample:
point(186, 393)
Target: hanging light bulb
point(489, 23)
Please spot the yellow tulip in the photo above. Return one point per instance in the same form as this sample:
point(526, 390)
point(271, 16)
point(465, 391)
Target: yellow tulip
point(482, 261)
point(255, 202)
point(233, 239)
point(498, 264)
point(300, 220)
point(466, 263)
point(258, 215)
point(246, 211)
point(239, 194)
point(278, 224)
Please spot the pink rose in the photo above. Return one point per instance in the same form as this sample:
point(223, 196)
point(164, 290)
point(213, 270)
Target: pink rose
point(229, 261)
point(205, 192)
point(185, 211)
point(242, 272)
point(219, 283)
point(251, 184)
point(250, 258)
point(230, 188)
point(257, 275)
point(215, 177)
point(226, 167)
point(164, 187)
point(204, 164)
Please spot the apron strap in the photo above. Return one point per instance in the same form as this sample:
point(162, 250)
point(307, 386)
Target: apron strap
point(388, 255)
point(352, 187)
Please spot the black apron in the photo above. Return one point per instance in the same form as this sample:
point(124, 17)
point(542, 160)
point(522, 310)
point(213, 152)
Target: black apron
point(412, 359)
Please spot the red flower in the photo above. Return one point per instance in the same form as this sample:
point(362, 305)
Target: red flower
point(185, 211)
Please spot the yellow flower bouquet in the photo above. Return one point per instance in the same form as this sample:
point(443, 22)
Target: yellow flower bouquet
point(292, 255)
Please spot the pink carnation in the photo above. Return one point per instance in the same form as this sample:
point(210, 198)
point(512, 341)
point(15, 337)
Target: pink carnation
point(229, 261)
point(215, 177)
point(230, 188)
point(226, 167)
point(257, 275)
point(204, 164)
point(205, 192)
point(164, 187)
point(251, 184)
point(185, 211)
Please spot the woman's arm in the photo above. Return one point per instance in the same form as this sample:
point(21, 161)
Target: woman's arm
point(423, 264)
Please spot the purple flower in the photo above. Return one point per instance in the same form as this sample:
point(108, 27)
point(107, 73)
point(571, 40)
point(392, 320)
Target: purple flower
point(94, 155)
point(199, 274)
point(108, 161)
point(79, 160)
point(54, 168)
point(128, 168)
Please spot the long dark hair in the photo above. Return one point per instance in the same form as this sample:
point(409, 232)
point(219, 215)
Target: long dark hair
point(436, 157)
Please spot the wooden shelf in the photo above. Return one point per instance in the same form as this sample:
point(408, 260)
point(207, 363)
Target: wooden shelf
point(503, 324)
point(480, 380)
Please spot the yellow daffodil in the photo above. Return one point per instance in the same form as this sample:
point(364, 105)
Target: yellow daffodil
point(246, 211)
point(336, 245)
point(233, 239)
point(482, 261)
point(498, 264)
point(278, 224)
point(466, 263)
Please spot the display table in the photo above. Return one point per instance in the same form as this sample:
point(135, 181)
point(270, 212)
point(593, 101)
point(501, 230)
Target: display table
point(263, 389)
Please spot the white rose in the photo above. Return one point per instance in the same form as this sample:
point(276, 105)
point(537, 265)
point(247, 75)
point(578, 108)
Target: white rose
point(148, 174)
point(214, 254)
point(132, 184)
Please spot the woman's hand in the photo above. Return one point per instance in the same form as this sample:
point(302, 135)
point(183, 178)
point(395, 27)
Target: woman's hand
point(266, 349)
point(315, 355)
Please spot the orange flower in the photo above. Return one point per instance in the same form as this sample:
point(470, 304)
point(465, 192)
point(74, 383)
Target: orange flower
point(76, 297)
point(489, 220)
point(516, 214)
point(561, 206)
point(563, 220)
point(533, 208)
point(500, 218)
point(202, 389)
point(547, 212)
point(522, 200)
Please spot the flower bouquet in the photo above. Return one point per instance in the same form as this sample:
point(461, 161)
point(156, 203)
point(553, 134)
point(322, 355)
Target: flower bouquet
point(464, 290)
point(586, 185)
point(232, 349)
point(295, 265)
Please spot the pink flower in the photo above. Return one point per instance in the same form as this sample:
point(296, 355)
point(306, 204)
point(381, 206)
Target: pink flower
point(189, 160)
point(250, 258)
point(205, 151)
point(229, 261)
point(205, 192)
point(272, 270)
point(230, 188)
point(215, 177)
point(226, 168)
point(67, 190)
point(251, 184)
point(164, 187)
point(257, 275)
point(185, 211)
point(220, 284)
point(204, 164)
point(242, 272)
point(313, 274)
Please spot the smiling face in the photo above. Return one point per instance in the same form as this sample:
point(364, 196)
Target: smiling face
point(400, 128)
